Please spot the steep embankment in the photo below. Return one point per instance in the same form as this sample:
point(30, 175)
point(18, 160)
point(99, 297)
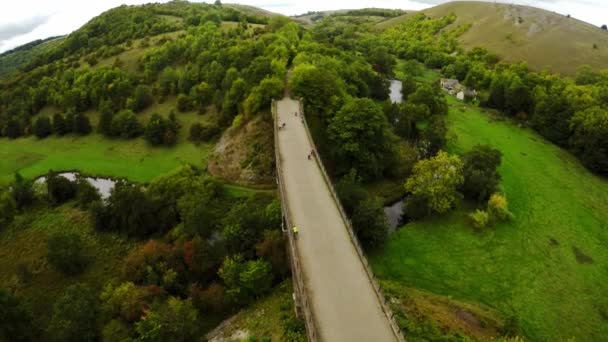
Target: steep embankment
point(521, 33)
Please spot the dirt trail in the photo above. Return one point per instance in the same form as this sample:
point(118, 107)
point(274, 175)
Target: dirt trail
point(343, 300)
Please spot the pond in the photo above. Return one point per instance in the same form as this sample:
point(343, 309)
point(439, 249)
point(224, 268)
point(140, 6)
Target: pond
point(103, 185)
point(395, 94)
point(394, 215)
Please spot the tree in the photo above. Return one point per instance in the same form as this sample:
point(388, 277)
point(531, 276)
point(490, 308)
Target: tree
point(245, 280)
point(86, 193)
point(320, 88)
point(156, 129)
point(74, 316)
point(360, 138)
point(8, 209)
point(176, 320)
point(481, 177)
point(272, 249)
point(590, 138)
point(13, 129)
point(518, 97)
point(15, 321)
point(142, 97)
point(370, 223)
point(126, 125)
point(105, 119)
point(23, 193)
point(604, 27)
point(184, 103)
point(126, 301)
point(430, 96)
point(43, 127)
point(82, 125)
point(436, 181)
point(60, 189)
point(60, 126)
point(65, 251)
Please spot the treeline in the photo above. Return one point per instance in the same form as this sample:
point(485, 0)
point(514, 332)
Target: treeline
point(375, 12)
point(237, 71)
point(207, 254)
point(572, 113)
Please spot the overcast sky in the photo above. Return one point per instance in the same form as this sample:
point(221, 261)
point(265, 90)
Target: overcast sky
point(22, 21)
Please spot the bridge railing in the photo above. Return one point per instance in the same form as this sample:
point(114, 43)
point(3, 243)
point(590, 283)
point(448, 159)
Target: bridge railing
point(301, 297)
point(370, 274)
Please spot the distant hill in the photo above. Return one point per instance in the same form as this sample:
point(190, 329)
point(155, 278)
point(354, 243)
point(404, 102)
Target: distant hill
point(521, 33)
point(13, 60)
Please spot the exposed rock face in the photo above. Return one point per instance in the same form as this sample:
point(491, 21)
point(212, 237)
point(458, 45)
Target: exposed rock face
point(245, 154)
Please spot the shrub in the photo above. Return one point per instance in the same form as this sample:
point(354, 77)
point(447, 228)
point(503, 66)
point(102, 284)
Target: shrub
point(480, 218)
point(43, 127)
point(184, 103)
point(65, 251)
point(60, 189)
point(498, 208)
point(82, 125)
point(126, 125)
point(74, 315)
point(15, 321)
point(370, 223)
point(8, 209)
point(481, 177)
point(60, 126)
point(86, 194)
point(23, 192)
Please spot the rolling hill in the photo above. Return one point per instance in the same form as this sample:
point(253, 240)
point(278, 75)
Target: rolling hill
point(521, 33)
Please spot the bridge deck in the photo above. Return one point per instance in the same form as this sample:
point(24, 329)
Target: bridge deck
point(344, 304)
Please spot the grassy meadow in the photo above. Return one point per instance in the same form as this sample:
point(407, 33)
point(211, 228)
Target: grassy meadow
point(95, 155)
point(546, 270)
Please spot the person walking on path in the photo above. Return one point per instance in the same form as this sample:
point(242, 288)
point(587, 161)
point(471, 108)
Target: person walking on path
point(295, 232)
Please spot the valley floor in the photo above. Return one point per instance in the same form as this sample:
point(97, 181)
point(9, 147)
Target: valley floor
point(545, 271)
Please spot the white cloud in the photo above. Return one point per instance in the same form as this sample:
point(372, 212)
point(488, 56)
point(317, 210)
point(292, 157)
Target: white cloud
point(65, 16)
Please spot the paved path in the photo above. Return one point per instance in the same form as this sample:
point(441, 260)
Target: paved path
point(344, 304)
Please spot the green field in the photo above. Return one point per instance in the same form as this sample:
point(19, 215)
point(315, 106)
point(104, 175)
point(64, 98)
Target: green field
point(547, 268)
point(95, 155)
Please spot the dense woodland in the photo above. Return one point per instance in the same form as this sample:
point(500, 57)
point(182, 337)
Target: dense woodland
point(203, 252)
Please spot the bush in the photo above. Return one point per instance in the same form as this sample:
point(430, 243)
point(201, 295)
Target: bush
point(184, 103)
point(15, 321)
point(481, 177)
point(480, 218)
point(74, 316)
point(43, 127)
point(126, 125)
point(82, 125)
point(23, 192)
point(86, 194)
point(8, 209)
point(65, 251)
point(498, 208)
point(60, 126)
point(370, 223)
point(60, 189)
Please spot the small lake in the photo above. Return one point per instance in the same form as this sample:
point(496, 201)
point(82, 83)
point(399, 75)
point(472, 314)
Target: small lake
point(103, 185)
point(394, 215)
point(395, 94)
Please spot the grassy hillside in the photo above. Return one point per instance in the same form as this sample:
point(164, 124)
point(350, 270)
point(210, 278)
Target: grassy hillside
point(522, 33)
point(13, 60)
point(546, 265)
point(23, 246)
